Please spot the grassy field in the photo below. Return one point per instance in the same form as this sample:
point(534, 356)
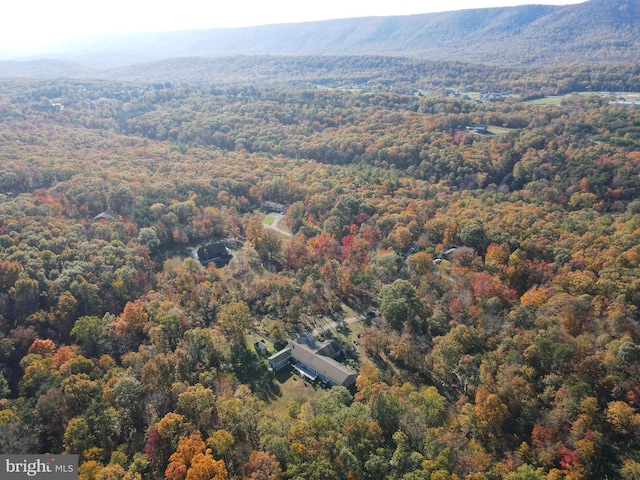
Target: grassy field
point(546, 101)
point(294, 390)
point(495, 130)
point(269, 219)
point(557, 100)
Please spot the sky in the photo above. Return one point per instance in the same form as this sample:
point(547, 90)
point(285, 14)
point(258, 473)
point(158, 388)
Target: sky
point(38, 25)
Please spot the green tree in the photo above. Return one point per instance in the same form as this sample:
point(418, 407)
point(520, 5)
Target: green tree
point(149, 238)
point(129, 394)
point(4, 386)
point(385, 265)
point(77, 436)
point(91, 333)
point(26, 295)
point(404, 459)
point(270, 247)
point(399, 304)
point(220, 443)
point(295, 216)
point(474, 235)
point(630, 470)
point(526, 472)
point(79, 393)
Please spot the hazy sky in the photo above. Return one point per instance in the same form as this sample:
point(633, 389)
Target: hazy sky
point(34, 24)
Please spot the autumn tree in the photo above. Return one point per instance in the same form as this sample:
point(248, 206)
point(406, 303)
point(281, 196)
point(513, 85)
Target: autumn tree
point(234, 318)
point(262, 466)
point(197, 403)
point(191, 461)
point(130, 327)
point(204, 467)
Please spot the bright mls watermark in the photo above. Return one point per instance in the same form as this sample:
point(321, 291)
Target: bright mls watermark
point(39, 467)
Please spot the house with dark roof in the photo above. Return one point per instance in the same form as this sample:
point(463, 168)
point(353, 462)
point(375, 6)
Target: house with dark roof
point(318, 362)
point(273, 207)
point(217, 252)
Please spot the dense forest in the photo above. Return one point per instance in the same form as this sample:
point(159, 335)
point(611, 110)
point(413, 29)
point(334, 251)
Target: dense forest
point(489, 246)
point(374, 73)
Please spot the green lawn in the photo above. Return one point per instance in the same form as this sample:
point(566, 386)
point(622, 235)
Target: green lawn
point(253, 337)
point(498, 130)
point(546, 101)
point(294, 389)
point(557, 100)
point(269, 219)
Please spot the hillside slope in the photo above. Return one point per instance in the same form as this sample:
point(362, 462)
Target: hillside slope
point(594, 31)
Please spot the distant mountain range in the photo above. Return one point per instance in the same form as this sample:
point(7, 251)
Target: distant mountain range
point(596, 31)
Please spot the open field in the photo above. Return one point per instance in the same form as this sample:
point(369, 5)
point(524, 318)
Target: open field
point(618, 97)
point(294, 390)
point(495, 130)
point(547, 101)
point(269, 219)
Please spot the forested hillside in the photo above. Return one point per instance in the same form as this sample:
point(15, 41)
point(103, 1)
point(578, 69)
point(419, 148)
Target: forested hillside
point(595, 31)
point(489, 246)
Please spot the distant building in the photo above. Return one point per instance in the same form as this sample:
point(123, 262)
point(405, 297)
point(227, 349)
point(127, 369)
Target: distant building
point(314, 363)
point(273, 207)
point(217, 252)
point(104, 215)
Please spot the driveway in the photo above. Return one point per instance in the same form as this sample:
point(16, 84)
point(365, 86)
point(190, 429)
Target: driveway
point(274, 226)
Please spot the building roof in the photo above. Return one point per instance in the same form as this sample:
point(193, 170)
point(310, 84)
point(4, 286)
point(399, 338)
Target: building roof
point(210, 253)
point(106, 215)
point(326, 366)
point(273, 206)
point(330, 348)
point(280, 356)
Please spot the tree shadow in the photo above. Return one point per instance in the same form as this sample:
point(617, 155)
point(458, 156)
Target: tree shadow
point(252, 370)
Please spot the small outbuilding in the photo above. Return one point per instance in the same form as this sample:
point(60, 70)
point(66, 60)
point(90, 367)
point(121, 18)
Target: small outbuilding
point(261, 347)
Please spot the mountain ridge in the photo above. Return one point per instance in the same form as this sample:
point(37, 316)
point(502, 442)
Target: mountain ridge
point(595, 31)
